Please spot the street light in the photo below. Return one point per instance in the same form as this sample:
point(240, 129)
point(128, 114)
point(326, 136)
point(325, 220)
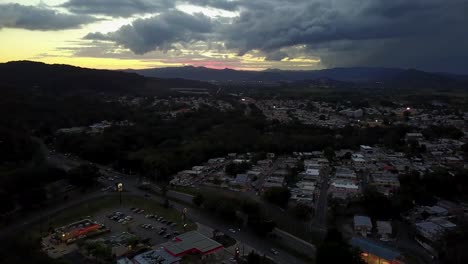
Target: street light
point(120, 189)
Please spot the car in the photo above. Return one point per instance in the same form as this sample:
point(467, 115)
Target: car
point(128, 218)
point(173, 224)
point(135, 210)
point(161, 232)
point(167, 236)
point(149, 216)
point(175, 233)
point(124, 222)
point(164, 228)
point(164, 221)
point(160, 218)
point(232, 230)
point(169, 222)
point(140, 211)
point(233, 260)
point(274, 251)
point(120, 220)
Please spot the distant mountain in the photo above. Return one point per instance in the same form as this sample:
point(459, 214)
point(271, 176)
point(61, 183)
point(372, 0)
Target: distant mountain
point(61, 78)
point(206, 74)
point(392, 76)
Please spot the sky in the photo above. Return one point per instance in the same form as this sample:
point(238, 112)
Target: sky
point(430, 35)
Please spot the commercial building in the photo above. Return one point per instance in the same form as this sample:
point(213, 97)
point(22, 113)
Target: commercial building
point(373, 252)
point(76, 230)
point(191, 243)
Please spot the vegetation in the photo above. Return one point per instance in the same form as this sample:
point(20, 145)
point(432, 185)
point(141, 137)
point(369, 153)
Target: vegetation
point(335, 250)
point(277, 195)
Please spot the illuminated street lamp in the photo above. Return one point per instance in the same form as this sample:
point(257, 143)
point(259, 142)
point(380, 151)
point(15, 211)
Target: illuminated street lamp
point(120, 190)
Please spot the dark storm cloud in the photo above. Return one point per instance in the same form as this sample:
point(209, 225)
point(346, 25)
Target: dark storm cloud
point(159, 32)
point(276, 56)
point(38, 18)
point(119, 8)
point(401, 33)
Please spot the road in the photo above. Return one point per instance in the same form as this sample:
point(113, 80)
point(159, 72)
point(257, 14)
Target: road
point(320, 217)
point(130, 184)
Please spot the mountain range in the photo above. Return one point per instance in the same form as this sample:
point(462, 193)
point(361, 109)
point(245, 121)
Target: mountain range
point(60, 78)
point(353, 74)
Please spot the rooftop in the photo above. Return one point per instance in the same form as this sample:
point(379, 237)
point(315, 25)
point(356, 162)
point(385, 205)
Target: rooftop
point(191, 242)
point(158, 256)
point(375, 249)
point(360, 220)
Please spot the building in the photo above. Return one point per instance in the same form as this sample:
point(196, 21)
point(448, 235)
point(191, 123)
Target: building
point(414, 136)
point(311, 174)
point(384, 229)
point(366, 149)
point(159, 256)
point(362, 225)
point(191, 243)
point(352, 113)
point(343, 189)
point(373, 252)
point(76, 230)
point(345, 173)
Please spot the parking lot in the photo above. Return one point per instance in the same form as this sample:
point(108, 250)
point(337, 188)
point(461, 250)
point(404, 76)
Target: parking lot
point(148, 226)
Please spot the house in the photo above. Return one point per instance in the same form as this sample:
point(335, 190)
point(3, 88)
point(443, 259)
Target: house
point(362, 225)
point(343, 189)
point(345, 173)
point(358, 160)
point(435, 210)
point(384, 229)
point(366, 149)
point(414, 136)
point(311, 174)
point(241, 180)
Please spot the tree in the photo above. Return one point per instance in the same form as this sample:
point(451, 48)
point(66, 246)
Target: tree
point(335, 250)
point(329, 153)
point(236, 168)
point(8, 203)
point(376, 204)
point(302, 211)
point(277, 195)
point(198, 200)
point(84, 175)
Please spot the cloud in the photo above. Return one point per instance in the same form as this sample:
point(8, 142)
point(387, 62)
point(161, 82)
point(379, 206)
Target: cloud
point(276, 56)
point(39, 18)
point(159, 32)
point(119, 8)
point(426, 34)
